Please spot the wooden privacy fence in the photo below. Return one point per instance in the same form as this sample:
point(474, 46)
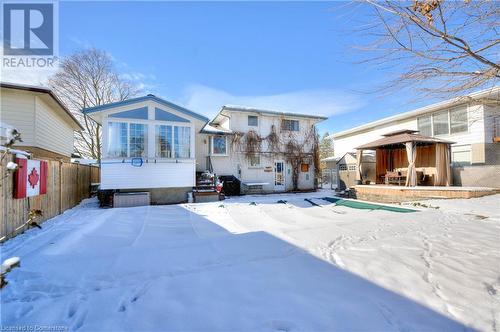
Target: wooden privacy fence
point(67, 185)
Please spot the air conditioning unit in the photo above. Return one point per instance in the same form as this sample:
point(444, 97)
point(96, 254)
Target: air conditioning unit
point(131, 199)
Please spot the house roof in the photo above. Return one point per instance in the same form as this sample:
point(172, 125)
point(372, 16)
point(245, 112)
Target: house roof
point(367, 157)
point(235, 108)
point(210, 128)
point(491, 93)
point(402, 137)
point(40, 89)
point(151, 97)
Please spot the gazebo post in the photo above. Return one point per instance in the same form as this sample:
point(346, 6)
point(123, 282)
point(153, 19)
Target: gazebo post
point(359, 160)
point(411, 153)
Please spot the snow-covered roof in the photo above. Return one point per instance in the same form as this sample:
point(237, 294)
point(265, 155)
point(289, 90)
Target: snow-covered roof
point(212, 128)
point(238, 108)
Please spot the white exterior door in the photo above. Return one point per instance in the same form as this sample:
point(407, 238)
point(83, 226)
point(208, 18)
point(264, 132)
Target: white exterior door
point(279, 176)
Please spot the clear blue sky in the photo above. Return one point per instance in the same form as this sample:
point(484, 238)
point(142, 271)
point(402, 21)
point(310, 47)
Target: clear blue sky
point(291, 56)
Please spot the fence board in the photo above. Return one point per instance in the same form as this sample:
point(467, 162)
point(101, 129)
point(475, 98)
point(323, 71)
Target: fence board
point(67, 185)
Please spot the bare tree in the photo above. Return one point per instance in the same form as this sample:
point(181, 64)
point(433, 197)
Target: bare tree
point(85, 79)
point(442, 48)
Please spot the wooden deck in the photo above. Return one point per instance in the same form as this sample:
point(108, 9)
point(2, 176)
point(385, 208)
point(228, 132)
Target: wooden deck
point(396, 194)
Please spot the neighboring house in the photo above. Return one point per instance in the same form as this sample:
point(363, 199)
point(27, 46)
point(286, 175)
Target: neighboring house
point(149, 144)
point(47, 127)
point(257, 147)
point(346, 168)
point(472, 122)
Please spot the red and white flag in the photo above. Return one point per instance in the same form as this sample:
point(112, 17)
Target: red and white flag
point(30, 178)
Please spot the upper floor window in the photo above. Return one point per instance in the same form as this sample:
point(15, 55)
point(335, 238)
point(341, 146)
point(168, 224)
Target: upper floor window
point(440, 123)
point(425, 125)
point(218, 145)
point(164, 141)
point(289, 125)
point(458, 120)
point(253, 120)
point(452, 121)
point(126, 139)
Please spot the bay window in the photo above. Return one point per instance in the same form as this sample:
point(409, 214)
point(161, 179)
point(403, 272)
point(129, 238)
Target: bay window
point(130, 140)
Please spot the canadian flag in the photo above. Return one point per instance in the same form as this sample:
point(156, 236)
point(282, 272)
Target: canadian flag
point(30, 178)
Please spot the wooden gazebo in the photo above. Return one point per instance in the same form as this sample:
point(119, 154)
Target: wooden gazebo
point(406, 157)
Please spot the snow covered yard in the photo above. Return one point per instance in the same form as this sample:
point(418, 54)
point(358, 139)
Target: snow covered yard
point(267, 266)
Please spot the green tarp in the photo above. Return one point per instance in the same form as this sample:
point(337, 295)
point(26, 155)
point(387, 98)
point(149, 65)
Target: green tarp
point(366, 206)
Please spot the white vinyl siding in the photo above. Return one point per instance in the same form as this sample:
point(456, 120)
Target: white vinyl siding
point(52, 132)
point(39, 124)
point(17, 109)
point(165, 174)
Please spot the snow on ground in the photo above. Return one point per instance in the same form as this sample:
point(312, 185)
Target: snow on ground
point(239, 266)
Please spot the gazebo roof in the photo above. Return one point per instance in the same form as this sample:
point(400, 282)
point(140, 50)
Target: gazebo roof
point(401, 137)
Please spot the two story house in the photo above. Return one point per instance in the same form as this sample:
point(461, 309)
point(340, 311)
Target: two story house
point(268, 151)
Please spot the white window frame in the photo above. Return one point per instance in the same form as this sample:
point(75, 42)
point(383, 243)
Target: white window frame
point(287, 129)
point(150, 136)
point(248, 121)
point(212, 146)
point(128, 123)
point(449, 121)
